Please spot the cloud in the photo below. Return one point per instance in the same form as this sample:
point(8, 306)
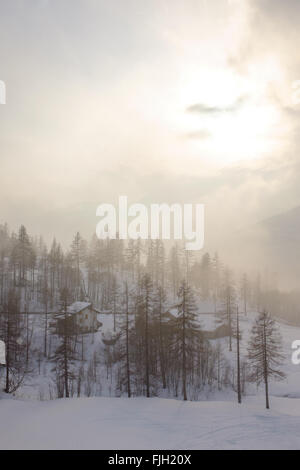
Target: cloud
point(205, 109)
point(98, 85)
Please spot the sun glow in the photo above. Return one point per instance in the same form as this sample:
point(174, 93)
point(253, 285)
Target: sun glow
point(247, 134)
point(229, 117)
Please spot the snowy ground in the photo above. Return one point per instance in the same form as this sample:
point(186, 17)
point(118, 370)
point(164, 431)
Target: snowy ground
point(154, 423)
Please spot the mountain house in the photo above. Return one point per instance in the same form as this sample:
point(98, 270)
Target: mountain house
point(81, 318)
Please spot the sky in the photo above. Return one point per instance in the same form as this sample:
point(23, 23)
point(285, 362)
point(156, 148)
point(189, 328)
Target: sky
point(162, 101)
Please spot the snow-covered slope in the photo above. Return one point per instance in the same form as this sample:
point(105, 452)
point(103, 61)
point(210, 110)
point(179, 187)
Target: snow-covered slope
point(154, 423)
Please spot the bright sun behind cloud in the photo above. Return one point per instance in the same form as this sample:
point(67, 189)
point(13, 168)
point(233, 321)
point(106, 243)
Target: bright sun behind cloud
point(229, 118)
point(245, 134)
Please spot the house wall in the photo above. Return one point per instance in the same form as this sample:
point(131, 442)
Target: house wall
point(86, 319)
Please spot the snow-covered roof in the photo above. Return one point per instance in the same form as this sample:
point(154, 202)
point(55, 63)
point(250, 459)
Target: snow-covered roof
point(77, 307)
point(96, 310)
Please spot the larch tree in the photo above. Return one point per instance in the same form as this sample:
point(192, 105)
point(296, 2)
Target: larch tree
point(15, 352)
point(23, 250)
point(238, 357)
point(245, 291)
point(124, 346)
point(145, 309)
point(206, 276)
point(227, 316)
point(215, 279)
point(65, 353)
point(78, 252)
point(186, 328)
point(264, 352)
point(174, 269)
point(159, 310)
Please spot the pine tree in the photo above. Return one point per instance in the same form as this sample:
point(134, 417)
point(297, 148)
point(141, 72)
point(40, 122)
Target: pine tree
point(175, 269)
point(115, 294)
point(159, 262)
point(245, 291)
point(127, 332)
point(205, 276)
point(145, 310)
point(45, 294)
point(23, 251)
point(238, 359)
point(215, 278)
point(12, 328)
point(131, 255)
point(159, 307)
point(65, 353)
point(124, 344)
point(226, 316)
point(264, 352)
point(186, 328)
point(78, 251)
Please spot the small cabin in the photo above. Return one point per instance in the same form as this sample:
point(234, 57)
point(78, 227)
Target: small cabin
point(221, 331)
point(81, 318)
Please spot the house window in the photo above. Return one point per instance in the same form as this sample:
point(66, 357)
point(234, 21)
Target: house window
point(86, 316)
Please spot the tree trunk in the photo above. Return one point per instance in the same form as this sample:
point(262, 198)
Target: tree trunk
point(161, 347)
point(238, 357)
point(127, 346)
point(45, 333)
point(183, 352)
point(7, 358)
point(265, 366)
point(66, 368)
point(147, 348)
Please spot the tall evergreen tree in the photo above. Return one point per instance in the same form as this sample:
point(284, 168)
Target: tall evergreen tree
point(238, 358)
point(245, 291)
point(23, 252)
point(12, 332)
point(124, 343)
point(65, 353)
point(227, 314)
point(78, 252)
point(264, 352)
point(186, 328)
point(145, 309)
point(159, 309)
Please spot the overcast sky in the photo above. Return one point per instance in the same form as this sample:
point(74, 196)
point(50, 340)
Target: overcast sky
point(162, 100)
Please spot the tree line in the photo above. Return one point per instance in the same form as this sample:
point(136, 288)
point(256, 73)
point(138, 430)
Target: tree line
point(157, 344)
